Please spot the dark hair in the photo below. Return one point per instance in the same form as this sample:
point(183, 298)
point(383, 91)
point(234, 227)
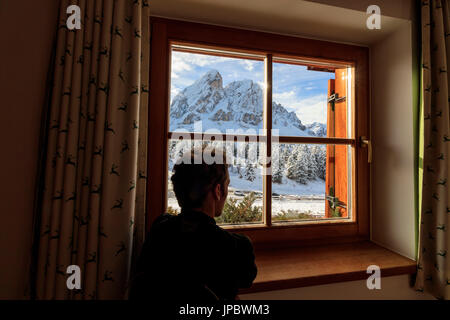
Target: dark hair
point(192, 181)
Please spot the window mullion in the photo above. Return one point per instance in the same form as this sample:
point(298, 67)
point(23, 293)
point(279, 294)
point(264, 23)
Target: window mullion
point(267, 185)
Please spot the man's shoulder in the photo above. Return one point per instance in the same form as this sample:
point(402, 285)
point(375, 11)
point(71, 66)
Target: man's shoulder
point(164, 219)
point(182, 224)
point(167, 224)
point(231, 240)
point(161, 221)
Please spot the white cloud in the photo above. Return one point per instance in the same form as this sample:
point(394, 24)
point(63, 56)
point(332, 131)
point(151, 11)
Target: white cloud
point(248, 65)
point(185, 62)
point(181, 81)
point(173, 92)
point(192, 66)
point(285, 98)
point(312, 109)
point(179, 65)
point(200, 60)
point(262, 84)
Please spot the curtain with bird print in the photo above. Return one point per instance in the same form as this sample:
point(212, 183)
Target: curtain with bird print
point(433, 274)
point(95, 175)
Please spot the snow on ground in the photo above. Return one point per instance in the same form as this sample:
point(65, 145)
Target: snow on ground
point(307, 198)
point(314, 207)
point(314, 188)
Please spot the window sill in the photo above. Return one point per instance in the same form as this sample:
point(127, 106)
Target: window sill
point(315, 265)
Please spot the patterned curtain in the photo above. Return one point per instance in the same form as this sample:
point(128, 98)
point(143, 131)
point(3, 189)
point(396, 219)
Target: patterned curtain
point(95, 175)
point(434, 263)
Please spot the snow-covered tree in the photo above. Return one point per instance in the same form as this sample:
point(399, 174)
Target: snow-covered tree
point(278, 165)
point(250, 173)
point(291, 170)
point(239, 170)
point(309, 162)
point(277, 175)
point(285, 152)
point(298, 165)
point(320, 156)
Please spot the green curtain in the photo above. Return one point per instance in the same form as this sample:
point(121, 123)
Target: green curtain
point(433, 274)
point(94, 190)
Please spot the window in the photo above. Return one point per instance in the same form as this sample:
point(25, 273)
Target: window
point(219, 92)
point(301, 103)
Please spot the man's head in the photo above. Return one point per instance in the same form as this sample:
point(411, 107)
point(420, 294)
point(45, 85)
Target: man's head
point(201, 186)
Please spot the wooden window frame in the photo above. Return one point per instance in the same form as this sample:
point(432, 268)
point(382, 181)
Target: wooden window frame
point(164, 32)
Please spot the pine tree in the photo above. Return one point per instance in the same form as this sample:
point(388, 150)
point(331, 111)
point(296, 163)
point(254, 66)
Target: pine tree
point(240, 153)
point(250, 174)
point(239, 170)
point(278, 166)
point(277, 176)
point(285, 152)
point(252, 152)
point(301, 164)
point(291, 170)
point(320, 156)
point(310, 163)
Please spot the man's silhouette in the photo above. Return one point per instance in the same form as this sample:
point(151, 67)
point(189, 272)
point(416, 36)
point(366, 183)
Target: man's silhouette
point(188, 257)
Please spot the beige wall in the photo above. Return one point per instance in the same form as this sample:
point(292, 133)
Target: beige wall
point(344, 22)
point(392, 138)
point(403, 9)
point(26, 31)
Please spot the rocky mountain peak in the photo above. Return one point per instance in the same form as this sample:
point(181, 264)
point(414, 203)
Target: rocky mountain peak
point(212, 78)
point(237, 106)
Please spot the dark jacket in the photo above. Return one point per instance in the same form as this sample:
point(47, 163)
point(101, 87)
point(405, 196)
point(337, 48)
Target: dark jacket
point(188, 257)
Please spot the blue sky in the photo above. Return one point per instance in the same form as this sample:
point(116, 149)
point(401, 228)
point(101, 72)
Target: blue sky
point(296, 88)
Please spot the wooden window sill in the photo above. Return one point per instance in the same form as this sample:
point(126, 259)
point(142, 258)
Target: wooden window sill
point(315, 265)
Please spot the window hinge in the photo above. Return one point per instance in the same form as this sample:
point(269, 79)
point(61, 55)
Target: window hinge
point(334, 98)
point(334, 203)
point(365, 142)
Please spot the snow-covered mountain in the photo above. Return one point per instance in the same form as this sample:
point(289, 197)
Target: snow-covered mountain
point(319, 129)
point(237, 106)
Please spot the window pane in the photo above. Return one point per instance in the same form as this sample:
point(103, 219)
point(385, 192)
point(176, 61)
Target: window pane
point(215, 93)
point(244, 202)
point(300, 101)
point(311, 182)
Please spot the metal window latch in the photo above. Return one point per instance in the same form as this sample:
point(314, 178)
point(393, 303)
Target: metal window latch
point(334, 202)
point(334, 98)
point(364, 142)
